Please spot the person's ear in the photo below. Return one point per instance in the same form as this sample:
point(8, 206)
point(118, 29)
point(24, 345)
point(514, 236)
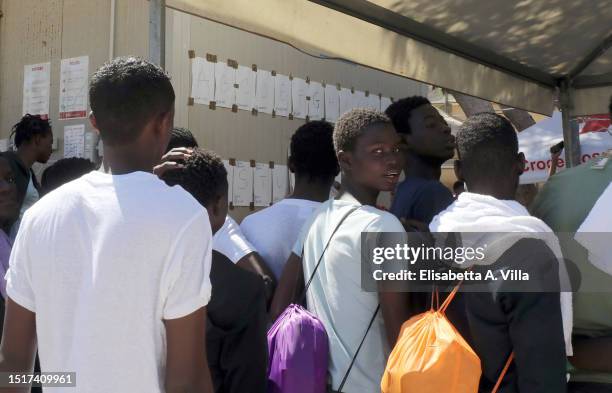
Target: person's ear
point(94, 122)
point(458, 170)
point(345, 160)
point(520, 163)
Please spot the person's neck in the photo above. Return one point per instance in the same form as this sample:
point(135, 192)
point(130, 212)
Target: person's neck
point(27, 156)
point(364, 195)
point(311, 190)
point(421, 167)
point(498, 191)
point(126, 159)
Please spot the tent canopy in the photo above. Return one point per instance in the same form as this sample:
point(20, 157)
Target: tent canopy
point(515, 53)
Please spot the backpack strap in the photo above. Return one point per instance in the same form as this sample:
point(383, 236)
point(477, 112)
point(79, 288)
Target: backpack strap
point(358, 349)
point(503, 373)
point(303, 296)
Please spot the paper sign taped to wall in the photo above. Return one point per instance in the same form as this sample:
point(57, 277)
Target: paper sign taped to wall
point(299, 92)
point(36, 86)
point(230, 180)
point(74, 141)
point(332, 103)
point(282, 96)
point(262, 185)
point(202, 81)
point(245, 92)
point(346, 100)
point(280, 182)
point(316, 104)
point(74, 82)
point(225, 78)
point(243, 183)
point(264, 93)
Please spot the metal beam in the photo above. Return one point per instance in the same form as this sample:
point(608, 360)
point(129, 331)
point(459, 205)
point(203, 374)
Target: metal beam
point(157, 32)
point(591, 57)
point(405, 26)
point(570, 126)
point(586, 81)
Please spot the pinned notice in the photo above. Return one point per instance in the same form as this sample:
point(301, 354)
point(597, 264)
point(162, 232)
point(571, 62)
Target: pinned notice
point(243, 184)
point(262, 186)
point(316, 104)
point(36, 86)
point(74, 78)
point(202, 81)
point(280, 182)
point(245, 92)
point(346, 100)
point(282, 97)
point(230, 180)
point(332, 103)
point(299, 92)
point(74, 141)
point(225, 78)
point(264, 93)
point(384, 103)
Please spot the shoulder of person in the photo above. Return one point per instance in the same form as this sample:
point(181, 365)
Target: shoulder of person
point(381, 221)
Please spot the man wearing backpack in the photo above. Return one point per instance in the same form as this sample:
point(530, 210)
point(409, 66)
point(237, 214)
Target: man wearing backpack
point(534, 327)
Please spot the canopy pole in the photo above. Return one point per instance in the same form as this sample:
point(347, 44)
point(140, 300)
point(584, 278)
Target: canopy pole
point(570, 128)
point(157, 32)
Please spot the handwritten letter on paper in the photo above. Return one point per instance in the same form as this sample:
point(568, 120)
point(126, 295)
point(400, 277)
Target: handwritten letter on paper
point(74, 141)
point(316, 104)
point(243, 183)
point(202, 81)
point(262, 186)
point(36, 84)
point(282, 95)
point(245, 93)
point(280, 182)
point(264, 94)
point(225, 77)
point(299, 92)
point(332, 103)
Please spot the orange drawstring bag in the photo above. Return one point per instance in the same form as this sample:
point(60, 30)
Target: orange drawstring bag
point(430, 356)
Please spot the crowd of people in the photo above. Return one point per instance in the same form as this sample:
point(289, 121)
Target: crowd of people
point(134, 276)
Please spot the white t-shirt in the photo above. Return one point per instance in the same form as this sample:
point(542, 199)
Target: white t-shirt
point(230, 241)
point(274, 230)
point(102, 261)
point(335, 295)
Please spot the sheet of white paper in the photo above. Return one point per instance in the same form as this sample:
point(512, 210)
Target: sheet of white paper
point(243, 183)
point(359, 99)
point(373, 102)
point(299, 92)
point(332, 103)
point(202, 81)
point(282, 95)
point(225, 78)
point(245, 93)
point(384, 103)
point(316, 104)
point(262, 185)
point(280, 182)
point(230, 180)
point(4, 145)
point(74, 141)
point(346, 100)
point(264, 93)
point(36, 85)
point(74, 80)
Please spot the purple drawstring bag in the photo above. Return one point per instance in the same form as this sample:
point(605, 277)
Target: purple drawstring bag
point(298, 351)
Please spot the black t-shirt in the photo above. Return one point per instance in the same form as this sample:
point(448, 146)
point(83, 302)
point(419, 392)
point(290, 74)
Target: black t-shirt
point(420, 199)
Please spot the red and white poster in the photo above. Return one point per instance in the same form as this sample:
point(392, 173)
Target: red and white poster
point(74, 78)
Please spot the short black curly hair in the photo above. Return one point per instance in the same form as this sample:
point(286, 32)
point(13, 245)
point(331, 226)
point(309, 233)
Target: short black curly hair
point(487, 145)
point(28, 127)
point(64, 171)
point(351, 125)
point(312, 151)
point(203, 176)
point(181, 137)
point(125, 94)
point(399, 112)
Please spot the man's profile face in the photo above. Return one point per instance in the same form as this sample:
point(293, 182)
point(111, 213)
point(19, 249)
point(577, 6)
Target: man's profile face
point(430, 134)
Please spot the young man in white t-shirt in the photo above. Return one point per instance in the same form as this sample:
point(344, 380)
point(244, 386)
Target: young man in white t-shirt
point(274, 230)
point(368, 151)
point(109, 275)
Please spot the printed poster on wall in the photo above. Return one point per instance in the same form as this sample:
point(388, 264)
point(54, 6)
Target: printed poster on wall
point(74, 141)
point(36, 86)
point(74, 78)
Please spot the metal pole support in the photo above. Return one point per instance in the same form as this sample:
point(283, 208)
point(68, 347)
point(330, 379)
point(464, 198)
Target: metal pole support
point(570, 127)
point(157, 32)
